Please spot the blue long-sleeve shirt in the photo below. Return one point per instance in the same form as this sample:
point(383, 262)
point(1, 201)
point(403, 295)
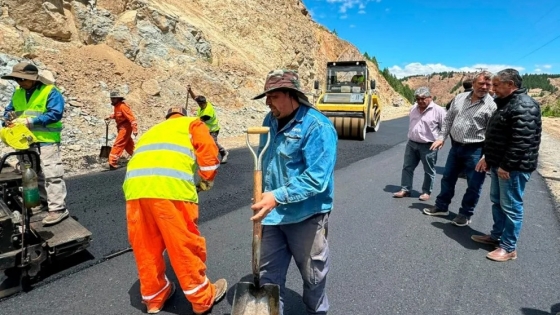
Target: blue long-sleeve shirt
point(55, 107)
point(298, 167)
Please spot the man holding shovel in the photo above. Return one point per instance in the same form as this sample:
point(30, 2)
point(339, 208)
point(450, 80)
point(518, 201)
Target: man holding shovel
point(126, 126)
point(298, 173)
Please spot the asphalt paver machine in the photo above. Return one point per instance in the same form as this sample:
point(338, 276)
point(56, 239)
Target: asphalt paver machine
point(26, 245)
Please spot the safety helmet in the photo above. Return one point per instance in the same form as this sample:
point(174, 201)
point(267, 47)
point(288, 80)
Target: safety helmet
point(176, 110)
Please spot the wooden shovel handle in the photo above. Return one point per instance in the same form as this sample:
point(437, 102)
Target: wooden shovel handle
point(257, 227)
point(257, 130)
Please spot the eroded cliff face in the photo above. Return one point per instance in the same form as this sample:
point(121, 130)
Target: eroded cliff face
point(151, 49)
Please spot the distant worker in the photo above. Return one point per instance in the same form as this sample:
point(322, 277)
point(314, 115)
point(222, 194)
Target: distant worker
point(207, 114)
point(467, 86)
point(126, 127)
point(162, 210)
point(359, 78)
point(40, 107)
point(426, 120)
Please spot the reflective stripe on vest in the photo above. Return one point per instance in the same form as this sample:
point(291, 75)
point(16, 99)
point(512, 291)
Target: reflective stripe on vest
point(211, 123)
point(163, 164)
point(36, 106)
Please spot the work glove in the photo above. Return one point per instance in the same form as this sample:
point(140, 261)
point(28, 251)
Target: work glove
point(23, 121)
point(204, 185)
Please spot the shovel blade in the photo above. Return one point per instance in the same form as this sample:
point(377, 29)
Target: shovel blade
point(250, 300)
point(104, 153)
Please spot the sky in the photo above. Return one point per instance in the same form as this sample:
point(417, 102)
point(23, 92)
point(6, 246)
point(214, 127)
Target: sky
point(412, 37)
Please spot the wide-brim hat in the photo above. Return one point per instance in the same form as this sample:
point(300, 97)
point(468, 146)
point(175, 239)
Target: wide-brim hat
point(284, 79)
point(23, 70)
point(116, 94)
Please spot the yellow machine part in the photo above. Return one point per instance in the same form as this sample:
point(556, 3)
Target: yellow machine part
point(17, 136)
point(349, 127)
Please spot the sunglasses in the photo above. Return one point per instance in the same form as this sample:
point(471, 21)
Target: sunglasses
point(19, 80)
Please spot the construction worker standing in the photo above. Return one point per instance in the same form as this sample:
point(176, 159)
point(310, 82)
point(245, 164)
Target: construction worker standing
point(207, 114)
point(126, 126)
point(40, 107)
point(162, 210)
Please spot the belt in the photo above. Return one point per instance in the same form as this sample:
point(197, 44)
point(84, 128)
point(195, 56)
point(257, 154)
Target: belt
point(467, 145)
point(423, 143)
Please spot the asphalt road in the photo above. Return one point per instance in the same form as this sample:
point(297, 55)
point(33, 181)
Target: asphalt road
point(387, 257)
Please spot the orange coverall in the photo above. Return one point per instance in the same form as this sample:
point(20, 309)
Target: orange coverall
point(126, 126)
point(155, 225)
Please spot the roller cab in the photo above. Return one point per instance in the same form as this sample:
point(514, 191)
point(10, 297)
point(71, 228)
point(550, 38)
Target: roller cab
point(349, 99)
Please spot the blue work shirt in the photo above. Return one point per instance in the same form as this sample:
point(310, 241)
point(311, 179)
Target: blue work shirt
point(298, 166)
point(55, 107)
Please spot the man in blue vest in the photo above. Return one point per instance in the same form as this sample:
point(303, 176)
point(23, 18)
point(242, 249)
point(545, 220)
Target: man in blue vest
point(40, 106)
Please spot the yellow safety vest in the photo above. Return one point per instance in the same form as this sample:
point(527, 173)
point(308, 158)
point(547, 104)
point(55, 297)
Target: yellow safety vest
point(211, 123)
point(163, 164)
point(37, 105)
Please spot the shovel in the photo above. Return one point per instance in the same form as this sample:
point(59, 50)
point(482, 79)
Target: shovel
point(252, 298)
point(106, 149)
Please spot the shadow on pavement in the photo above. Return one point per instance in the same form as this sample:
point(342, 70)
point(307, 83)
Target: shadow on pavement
point(554, 310)
point(462, 235)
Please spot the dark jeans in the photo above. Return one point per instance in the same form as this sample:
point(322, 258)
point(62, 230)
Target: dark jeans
point(461, 157)
point(413, 154)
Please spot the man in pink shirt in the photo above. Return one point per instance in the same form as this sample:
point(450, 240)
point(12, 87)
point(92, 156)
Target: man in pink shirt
point(426, 121)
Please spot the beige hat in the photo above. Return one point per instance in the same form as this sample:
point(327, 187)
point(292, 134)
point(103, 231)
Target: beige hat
point(116, 94)
point(23, 70)
point(46, 77)
point(284, 79)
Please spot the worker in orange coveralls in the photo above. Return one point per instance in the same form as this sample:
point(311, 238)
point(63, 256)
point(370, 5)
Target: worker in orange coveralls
point(162, 210)
point(126, 126)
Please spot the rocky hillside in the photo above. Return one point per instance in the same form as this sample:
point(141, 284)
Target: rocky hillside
point(443, 87)
point(151, 49)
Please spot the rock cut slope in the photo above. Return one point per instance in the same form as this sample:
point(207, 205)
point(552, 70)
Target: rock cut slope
point(151, 49)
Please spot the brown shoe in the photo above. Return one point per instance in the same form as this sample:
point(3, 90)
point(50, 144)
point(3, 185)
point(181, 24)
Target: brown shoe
point(485, 239)
point(401, 194)
point(53, 217)
point(154, 308)
point(424, 197)
point(500, 254)
point(221, 289)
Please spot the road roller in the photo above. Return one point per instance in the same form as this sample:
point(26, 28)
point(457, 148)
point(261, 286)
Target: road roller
point(349, 99)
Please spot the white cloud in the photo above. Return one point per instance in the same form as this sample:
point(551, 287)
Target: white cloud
point(538, 70)
point(417, 68)
point(344, 5)
point(545, 66)
point(352, 25)
point(362, 12)
point(344, 16)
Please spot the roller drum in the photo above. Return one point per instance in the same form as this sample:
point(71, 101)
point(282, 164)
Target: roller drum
point(349, 127)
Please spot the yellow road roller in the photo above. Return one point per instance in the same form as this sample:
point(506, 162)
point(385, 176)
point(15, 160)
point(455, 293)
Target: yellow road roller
point(349, 99)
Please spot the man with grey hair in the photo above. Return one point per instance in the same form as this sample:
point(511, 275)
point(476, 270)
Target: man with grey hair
point(511, 151)
point(465, 124)
point(426, 121)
